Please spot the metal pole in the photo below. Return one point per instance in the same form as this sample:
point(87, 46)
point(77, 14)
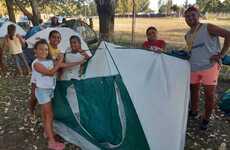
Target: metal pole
point(133, 24)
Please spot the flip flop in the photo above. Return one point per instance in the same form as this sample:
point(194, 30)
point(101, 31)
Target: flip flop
point(56, 146)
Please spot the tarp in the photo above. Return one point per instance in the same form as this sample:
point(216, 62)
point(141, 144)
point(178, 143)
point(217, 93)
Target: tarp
point(3, 29)
point(127, 99)
point(66, 33)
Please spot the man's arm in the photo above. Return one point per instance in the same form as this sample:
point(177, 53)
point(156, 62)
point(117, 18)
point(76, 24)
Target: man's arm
point(218, 31)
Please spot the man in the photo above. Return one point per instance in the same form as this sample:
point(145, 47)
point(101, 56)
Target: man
point(206, 53)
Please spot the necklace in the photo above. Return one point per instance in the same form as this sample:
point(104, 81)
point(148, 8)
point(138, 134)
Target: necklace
point(191, 37)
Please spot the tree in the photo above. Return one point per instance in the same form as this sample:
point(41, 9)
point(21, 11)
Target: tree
point(35, 15)
point(202, 4)
point(163, 9)
point(106, 13)
point(226, 6)
point(169, 6)
point(142, 5)
point(3, 9)
point(10, 9)
point(176, 9)
point(213, 6)
point(125, 6)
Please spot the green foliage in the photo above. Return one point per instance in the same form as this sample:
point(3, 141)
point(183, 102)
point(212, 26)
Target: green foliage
point(65, 8)
point(125, 6)
point(213, 6)
point(163, 9)
point(175, 8)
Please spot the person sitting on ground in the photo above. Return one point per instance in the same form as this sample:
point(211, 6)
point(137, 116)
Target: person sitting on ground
point(153, 43)
point(14, 42)
point(205, 55)
point(73, 54)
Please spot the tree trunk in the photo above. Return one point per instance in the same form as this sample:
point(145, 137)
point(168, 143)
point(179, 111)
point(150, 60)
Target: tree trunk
point(36, 13)
point(106, 12)
point(10, 9)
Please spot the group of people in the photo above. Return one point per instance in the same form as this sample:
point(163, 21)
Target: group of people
point(202, 42)
point(205, 54)
point(46, 68)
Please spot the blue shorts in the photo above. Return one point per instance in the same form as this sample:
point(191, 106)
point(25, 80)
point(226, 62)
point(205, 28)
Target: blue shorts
point(44, 95)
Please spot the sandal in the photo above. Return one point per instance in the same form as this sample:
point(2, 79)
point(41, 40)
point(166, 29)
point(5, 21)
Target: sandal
point(56, 146)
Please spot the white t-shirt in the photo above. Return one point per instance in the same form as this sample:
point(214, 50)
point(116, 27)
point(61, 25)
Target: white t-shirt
point(73, 72)
point(43, 81)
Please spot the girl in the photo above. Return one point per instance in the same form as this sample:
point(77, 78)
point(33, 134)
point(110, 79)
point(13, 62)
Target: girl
point(55, 54)
point(153, 43)
point(43, 74)
point(14, 44)
point(74, 54)
point(54, 41)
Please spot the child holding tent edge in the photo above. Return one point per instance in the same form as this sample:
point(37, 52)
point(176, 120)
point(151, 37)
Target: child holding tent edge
point(204, 46)
point(43, 75)
point(153, 43)
point(55, 54)
point(75, 53)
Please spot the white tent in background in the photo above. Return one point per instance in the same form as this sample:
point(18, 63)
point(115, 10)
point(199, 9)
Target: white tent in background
point(3, 29)
point(128, 99)
point(66, 33)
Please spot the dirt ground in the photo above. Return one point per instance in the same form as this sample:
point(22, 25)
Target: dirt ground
point(18, 132)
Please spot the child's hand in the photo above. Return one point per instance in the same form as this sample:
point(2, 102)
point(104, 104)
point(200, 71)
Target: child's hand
point(156, 49)
point(83, 61)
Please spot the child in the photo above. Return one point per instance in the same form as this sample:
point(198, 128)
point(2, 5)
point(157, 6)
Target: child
point(153, 43)
point(73, 54)
point(55, 54)
point(43, 73)
point(54, 41)
point(14, 44)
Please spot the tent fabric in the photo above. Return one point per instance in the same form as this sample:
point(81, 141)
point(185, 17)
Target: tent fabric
point(127, 99)
point(3, 29)
point(66, 33)
point(225, 102)
point(226, 60)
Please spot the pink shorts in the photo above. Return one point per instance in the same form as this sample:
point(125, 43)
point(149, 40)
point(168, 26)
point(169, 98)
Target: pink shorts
point(206, 77)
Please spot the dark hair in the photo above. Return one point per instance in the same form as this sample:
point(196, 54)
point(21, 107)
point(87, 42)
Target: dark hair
point(54, 32)
point(41, 41)
point(191, 8)
point(40, 21)
point(10, 29)
point(75, 37)
point(54, 21)
point(151, 28)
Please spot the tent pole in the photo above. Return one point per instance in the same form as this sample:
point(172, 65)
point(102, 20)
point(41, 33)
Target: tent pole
point(133, 24)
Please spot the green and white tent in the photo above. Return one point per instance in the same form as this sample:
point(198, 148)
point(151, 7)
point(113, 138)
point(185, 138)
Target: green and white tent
point(128, 99)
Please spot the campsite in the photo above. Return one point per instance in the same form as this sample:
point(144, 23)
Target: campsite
point(123, 97)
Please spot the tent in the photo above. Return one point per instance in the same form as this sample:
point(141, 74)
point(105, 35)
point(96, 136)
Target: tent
point(3, 29)
point(128, 99)
point(66, 33)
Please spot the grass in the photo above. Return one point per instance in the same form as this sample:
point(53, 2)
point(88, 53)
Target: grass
point(172, 30)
